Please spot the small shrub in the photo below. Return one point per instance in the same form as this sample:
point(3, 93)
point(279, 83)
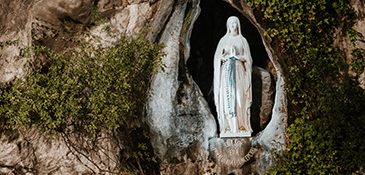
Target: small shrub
point(92, 89)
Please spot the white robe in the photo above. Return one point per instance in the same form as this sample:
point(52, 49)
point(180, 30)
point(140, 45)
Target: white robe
point(243, 95)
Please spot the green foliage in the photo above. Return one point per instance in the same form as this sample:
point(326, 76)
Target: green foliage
point(93, 88)
point(325, 98)
point(39, 19)
point(8, 43)
point(96, 18)
point(188, 12)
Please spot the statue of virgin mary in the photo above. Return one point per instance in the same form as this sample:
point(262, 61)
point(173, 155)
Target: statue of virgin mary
point(232, 82)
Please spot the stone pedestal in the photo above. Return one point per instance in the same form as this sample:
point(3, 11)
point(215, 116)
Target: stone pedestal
point(231, 153)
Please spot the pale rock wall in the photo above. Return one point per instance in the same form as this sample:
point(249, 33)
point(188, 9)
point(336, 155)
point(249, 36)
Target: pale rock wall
point(178, 116)
point(177, 113)
point(163, 108)
point(359, 7)
point(30, 152)
point(15, 17)
point(341, 41)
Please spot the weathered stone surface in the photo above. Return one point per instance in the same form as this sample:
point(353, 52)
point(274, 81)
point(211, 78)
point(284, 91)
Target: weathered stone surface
point(58, 12)
point(359, 7)
point(341, 41)
point(179, 112)
point(53, 19)
point(178, 115)
point(107, 5)
point(129, 20)
point(230, 154)
point(15, 17)
point(24, 152)
point(159, 20)
point(263, 88)
point(166, 99)
point(180, 119)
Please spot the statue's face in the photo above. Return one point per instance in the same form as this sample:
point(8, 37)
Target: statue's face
point(233, 26)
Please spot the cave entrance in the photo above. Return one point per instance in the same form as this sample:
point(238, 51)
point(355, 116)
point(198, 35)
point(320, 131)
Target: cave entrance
point(208, 29)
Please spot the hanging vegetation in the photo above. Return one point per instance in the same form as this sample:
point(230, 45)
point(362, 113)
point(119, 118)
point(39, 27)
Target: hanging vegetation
point(326, 101)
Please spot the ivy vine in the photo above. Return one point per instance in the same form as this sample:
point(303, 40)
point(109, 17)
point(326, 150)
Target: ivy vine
point(326, 100)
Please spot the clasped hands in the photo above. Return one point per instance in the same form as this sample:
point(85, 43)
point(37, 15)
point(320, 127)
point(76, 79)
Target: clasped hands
point(234, 55)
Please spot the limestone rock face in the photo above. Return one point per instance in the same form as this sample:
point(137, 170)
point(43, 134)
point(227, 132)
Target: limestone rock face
point(177, 113)
point(263, 88)
point(359, 7)
point(174, 91)
point(29, 152)
point(341, 41)
point(181, 121)
point(15, 17)
point(24, 152)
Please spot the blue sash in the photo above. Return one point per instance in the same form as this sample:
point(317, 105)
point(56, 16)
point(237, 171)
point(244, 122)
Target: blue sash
point(231, 87)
